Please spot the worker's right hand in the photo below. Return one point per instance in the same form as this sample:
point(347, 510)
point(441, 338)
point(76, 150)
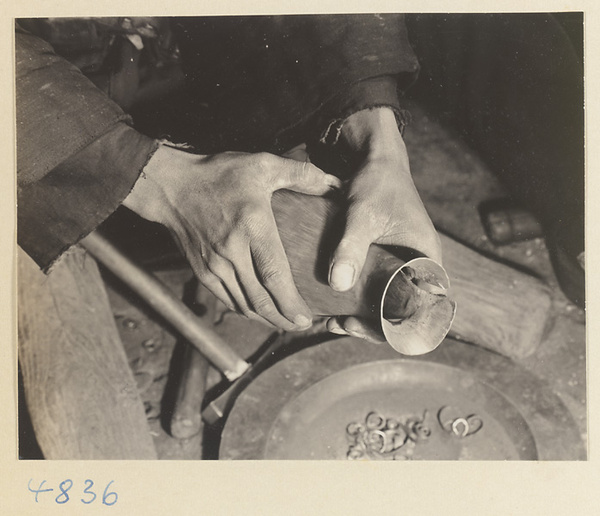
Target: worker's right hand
point(219, 210)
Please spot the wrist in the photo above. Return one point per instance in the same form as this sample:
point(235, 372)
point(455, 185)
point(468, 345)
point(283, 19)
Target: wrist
point(153, 194)
point(372, 131)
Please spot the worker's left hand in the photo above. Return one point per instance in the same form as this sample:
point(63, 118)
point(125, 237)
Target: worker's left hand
point(383, 207)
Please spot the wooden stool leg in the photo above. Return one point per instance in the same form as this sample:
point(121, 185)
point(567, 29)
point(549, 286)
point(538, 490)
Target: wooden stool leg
point(79, 389)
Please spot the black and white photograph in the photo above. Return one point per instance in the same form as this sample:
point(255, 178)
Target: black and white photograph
point(330, 237)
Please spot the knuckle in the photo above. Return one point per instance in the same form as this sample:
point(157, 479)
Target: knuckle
point(201, 270)
point(272, 277)
point(203, 276)
point(263, 305)
point(224, 247)
point(350, 241)
point(263, 161)
point(218, 268)
point(251, 211)
point(207, 278)
point(313, 174)
point(253, 220)
point(247, 312)
point(354, 244)
point(296, 171)
point(221, 248)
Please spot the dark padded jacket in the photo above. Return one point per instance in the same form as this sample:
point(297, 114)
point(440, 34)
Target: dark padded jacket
point(265, 82)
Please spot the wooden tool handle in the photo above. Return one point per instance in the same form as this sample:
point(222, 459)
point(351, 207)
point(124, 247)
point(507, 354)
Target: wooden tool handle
point(162, 300)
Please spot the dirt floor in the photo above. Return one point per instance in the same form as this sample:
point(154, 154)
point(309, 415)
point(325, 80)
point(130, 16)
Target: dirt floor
point(453, 182)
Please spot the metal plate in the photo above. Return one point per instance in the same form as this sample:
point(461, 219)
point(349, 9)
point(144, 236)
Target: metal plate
point(313, 425)
point(300, 407)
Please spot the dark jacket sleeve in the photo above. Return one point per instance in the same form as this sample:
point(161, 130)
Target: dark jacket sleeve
point(283, 78)
point(77, 159)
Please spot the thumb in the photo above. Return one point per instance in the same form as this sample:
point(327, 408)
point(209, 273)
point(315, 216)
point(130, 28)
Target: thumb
point(349, 258)
point(348, 325)
point(302, 177)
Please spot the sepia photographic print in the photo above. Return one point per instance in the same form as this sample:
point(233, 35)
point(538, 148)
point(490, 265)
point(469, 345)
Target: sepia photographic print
point(310, 237)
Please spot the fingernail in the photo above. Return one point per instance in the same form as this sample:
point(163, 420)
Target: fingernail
point(357, 335)
point(338, 331)
point(341, 277)
point(302, 322)
point(334, 182)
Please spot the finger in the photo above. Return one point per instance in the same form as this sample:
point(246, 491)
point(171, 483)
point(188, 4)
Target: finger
point(348, 325)
point(299, 176)
point(333, 326)
point(262, 303)
point(219, 290)
point(214, 285)
point(227, 284)
point(258, 298)
point(274, 273)
point(349, 257)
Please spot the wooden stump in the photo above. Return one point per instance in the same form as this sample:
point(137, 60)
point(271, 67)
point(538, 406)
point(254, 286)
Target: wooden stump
point(79, 389)
point(498, 307)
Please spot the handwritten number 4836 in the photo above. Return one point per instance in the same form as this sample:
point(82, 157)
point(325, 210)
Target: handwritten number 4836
point(108, 497)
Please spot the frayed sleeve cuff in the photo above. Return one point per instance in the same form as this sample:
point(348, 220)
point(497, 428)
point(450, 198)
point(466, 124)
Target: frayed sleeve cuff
point(75, 197)
point(368, 94)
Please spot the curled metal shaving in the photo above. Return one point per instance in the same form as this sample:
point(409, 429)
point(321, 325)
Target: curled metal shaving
point(383, 438)
point(460, 427)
